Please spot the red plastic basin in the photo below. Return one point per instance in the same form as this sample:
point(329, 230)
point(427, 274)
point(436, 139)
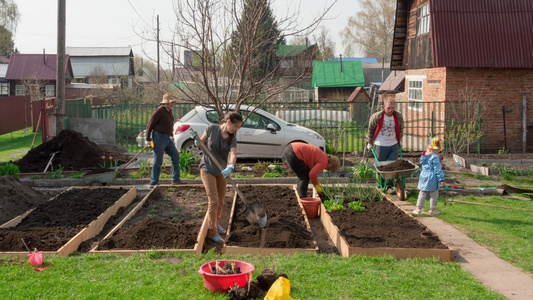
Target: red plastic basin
point(222, 283)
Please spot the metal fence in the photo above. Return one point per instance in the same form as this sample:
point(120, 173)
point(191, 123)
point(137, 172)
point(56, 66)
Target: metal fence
point(344, 125)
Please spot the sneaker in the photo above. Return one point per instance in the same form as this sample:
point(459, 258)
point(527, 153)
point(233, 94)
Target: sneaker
point(178, 182)
point(434, 212)
point(216, 238)
point(417, 211)
point(221, 230)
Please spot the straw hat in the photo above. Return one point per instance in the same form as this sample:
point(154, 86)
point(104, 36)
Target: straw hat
point(167, 98)
point(435, 144)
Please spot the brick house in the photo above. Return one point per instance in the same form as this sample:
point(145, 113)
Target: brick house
point(463, 50)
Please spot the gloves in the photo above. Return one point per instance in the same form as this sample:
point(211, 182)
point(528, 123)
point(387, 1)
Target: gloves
point(227, 170)
point(149, 143)
point(319, 189)
point(369, 146)
point(193, 134)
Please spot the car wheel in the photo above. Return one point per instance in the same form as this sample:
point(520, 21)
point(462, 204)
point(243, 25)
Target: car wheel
point(189, 146)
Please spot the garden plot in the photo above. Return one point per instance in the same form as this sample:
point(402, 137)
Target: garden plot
point(287, 230)
point(382, 228)
point(168, 219)
point(60, 225)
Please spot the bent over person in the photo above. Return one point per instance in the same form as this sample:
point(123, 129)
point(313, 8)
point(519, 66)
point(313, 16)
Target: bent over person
point(307, 161)
point(159, 131)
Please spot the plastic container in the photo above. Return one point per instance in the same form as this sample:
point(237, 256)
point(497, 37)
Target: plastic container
point(222, 283)
point(311, 206)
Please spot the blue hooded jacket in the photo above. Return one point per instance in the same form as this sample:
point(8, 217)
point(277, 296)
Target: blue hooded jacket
point(431, 174)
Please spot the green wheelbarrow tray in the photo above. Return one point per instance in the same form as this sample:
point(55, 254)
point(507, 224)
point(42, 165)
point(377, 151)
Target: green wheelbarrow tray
point(394, 174)
point(99, 178)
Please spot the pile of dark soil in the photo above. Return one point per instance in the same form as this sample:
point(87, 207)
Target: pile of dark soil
point(74, 152)
point(170, 218)
point(53, 223)
point(16, 198)
point(397, 166)
point(255, 289)
point(285, 228)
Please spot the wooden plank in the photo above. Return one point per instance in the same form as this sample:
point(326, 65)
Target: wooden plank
point(96, 226)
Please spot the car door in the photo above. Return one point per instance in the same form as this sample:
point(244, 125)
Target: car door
point(256, 140)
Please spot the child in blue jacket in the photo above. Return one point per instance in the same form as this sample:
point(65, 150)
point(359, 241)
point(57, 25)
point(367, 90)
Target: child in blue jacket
point(430, 177)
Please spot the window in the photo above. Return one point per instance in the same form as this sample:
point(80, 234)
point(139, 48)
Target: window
point(20, 90)
point(114, 80)
point(4, 88)
point(423, 19)
point(415, 94)
point(50, 90)
point(287, 63)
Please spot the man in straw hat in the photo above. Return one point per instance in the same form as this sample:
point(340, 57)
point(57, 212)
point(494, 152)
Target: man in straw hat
point(159, 131)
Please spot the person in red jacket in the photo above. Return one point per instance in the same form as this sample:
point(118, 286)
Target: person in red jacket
point(307, 161)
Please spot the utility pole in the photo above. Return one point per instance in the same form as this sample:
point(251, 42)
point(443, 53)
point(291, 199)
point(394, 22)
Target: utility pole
point(60, 66)
point(158, 68)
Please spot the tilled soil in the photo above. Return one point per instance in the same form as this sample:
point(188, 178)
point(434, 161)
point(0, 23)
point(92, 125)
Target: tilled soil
point(53, 223)
point(397, 166)
point(170, 218)
point(383, 224)
point(16, 198)
point(286, 227)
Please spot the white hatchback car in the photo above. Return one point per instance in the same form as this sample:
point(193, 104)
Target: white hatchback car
point(262, 135)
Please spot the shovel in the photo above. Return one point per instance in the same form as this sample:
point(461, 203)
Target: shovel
point(253, 212)
point(50, 161)
point(134, 158)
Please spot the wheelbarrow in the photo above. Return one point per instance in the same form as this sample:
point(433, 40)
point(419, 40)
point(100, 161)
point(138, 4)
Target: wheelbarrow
point(99, 178)
point(398, 175)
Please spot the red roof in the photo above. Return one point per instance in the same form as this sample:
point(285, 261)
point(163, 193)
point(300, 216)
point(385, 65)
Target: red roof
point(482, 33)
point(35, 67)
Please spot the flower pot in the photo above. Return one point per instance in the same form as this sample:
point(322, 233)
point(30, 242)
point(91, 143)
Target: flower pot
point(311, 206)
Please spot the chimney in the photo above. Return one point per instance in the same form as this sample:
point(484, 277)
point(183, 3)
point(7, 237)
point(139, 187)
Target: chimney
point(44, 57)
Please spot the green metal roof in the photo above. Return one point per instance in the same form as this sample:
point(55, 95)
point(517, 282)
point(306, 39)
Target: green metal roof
point(328, 74)
point(291, 50)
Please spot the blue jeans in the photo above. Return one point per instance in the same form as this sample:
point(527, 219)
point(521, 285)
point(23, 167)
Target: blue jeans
point(385, 153)
point(163, 143)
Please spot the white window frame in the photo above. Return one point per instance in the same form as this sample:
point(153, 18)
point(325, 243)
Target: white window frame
point(20, 90)
point(287, 63)
point(50, 90)
point(415, 94)
point(4, 88)
point(423, 20)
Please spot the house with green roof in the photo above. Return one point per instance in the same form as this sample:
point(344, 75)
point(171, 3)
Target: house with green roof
point(336, 80)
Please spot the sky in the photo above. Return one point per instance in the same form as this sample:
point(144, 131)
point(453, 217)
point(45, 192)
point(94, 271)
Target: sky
point(116, 23)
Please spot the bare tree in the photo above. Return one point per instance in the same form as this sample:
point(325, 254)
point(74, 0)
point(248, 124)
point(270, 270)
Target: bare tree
point(218, 76)
point(371, 28)
point(326, 46)
point(9, 15)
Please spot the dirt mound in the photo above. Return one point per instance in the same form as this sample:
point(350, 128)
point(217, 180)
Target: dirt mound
point(73, 152)
point(16, 198)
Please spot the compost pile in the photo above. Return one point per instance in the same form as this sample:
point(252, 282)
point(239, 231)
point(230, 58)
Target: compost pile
point(53, 223)
point(286, 227)
point(74, 152)
point(398, 165)
point(16, 198)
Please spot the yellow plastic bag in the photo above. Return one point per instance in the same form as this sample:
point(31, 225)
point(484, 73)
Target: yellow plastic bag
point(280, 290)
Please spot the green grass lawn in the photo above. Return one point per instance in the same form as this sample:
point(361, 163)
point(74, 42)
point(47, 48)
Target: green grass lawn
point(505, 232)
point(311, 276)
point(15, 145)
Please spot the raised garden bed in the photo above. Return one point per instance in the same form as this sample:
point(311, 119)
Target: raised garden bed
point(287, 230)
point(383, 229)
point(60, 225)
point(465, 160)
point(168, 219)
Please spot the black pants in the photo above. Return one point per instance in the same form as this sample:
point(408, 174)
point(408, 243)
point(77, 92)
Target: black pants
point(299, 168)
